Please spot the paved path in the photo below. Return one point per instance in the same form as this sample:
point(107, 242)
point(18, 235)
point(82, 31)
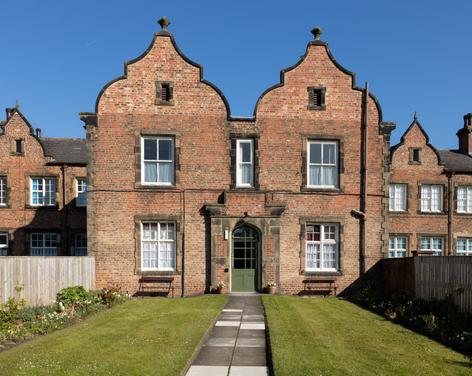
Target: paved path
point(236, 345)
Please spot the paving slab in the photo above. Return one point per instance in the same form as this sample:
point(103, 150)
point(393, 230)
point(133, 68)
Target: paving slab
point(248, 371)
point(236, 345)
point(208, 371)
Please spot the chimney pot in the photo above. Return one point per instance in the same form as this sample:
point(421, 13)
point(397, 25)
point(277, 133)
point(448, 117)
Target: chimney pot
point(38, 132)
point(468, 120)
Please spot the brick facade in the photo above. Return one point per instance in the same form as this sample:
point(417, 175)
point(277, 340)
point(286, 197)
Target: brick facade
point(449, 169)
point(24, 155)
point(204, 202)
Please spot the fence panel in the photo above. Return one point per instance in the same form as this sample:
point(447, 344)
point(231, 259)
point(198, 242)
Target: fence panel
point(436, 277)
point(42, 277)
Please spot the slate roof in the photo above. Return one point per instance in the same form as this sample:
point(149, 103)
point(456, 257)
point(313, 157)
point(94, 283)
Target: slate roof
point(453, 160)
point(66, 150)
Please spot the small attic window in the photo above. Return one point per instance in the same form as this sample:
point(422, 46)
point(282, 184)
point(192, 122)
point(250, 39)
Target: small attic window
point(164, 93)
point(316, 98)
point(415, 155)
point(19, 146)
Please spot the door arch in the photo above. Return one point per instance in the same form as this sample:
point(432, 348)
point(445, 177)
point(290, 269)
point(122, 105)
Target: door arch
point(245, 259)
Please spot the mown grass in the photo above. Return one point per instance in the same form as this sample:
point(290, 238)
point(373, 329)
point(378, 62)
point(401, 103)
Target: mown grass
point(330, 336)
point(140, 337)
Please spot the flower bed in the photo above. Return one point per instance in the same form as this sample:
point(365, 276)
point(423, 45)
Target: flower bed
point(18, 322)
point(439, 319)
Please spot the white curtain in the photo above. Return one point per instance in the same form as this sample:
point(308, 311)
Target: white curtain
point(246, 173)
point(329, 256)
point(315, 175)
point(150, 172)
point(313, 256)
point(165, 172)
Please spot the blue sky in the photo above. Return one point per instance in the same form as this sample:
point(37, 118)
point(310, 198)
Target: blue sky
point(417, 56)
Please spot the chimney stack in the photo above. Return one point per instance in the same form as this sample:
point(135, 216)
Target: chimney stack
point(465, 135)
point(10, 111)
point(38, 132)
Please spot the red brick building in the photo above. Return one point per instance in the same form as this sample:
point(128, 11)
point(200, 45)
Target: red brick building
point(430, 207)
point(42, 185)
point(182, 190)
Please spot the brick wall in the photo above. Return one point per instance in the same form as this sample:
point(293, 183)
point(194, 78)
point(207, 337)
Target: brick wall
point(203, 201)
point(18, 217)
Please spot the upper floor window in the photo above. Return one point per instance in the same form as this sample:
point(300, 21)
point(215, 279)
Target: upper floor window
point(80, 244)
point(157, 167)
point(316, 98)
point(81, 192)
point(44, 244)
point(164, 93)
point(3, 243)
point(245, 163)
point(322, 164)
point(19, 146)
point(464, 246)
point(431, 198)
point(158, 246)
point(415, 155)
point(432, 244)
point(321, 247)
point(43, 191)
point(397, 197)
point(397, 246)
point(3, 190)
point(464, 199)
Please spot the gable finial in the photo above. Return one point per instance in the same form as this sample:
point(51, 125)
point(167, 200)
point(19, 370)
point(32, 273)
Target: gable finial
point(415, 116)
point(164, 22)
point(17, 104)
point(316, 31)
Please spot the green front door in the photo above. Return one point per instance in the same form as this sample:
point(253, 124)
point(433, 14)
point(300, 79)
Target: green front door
point(244, 274)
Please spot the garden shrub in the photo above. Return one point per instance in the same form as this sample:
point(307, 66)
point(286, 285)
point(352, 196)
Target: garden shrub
point(18, 322)
point(439, 319)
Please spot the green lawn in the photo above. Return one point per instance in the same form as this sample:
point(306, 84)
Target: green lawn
point(329, 336)
point(140, 337)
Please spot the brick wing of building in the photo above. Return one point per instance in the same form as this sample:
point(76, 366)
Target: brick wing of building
point(42, 191)
point(182, 191)
point(430, 195)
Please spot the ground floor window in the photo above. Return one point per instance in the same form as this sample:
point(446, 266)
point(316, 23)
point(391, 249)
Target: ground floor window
point(80, 244)
point(3, 243)
point(397, 246)
point(432, 244)
point(464, 246)
point(321, 247)
point(44, 244)
point(158, 246)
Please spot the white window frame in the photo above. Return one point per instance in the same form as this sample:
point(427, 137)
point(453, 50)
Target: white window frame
point(427, 202)
point(239, 162)
point(80, 193)
point(158, 241)
point(43, 250)
point(4, 246)
point(143, 176)
point(394, 203)
point(335, 165)
point(435, 251)
point(3, 190)
point(321, 243)
point(79, 249)
point(464, 199)
point(397, 251)
point(43, 191)
point(467, 247)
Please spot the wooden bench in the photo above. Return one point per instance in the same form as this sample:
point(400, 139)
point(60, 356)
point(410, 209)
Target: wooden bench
point(320, 284)
point(150, 285)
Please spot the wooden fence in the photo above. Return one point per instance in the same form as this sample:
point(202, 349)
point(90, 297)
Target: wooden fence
point(431, 277)
point(42, 277)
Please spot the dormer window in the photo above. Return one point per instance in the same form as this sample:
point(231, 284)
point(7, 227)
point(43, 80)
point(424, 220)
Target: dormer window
point(316, 98)
point(164, 93)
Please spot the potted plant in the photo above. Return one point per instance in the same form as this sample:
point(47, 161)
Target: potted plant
point(271, 287)
point(220, 286)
